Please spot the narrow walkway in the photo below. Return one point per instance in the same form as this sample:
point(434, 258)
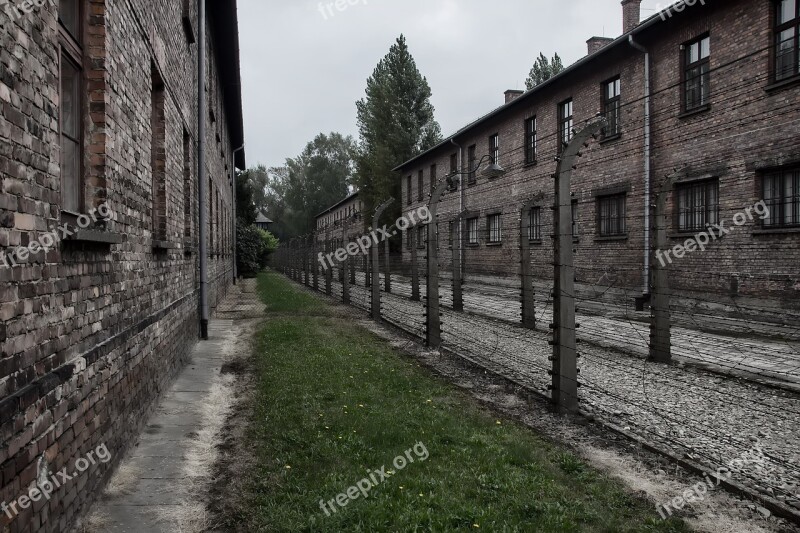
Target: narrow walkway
point(160, 486)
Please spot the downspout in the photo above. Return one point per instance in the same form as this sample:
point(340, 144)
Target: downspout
point(201, 162)
point(461, 201)
point(233, 210)
point(647, 170)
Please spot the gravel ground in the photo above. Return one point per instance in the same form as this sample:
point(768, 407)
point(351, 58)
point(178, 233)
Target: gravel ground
point(706, 417)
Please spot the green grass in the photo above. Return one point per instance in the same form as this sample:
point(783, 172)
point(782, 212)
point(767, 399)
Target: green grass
point(334, 402)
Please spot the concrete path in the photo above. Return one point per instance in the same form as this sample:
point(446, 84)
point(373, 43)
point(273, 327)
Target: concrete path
point(160, 486)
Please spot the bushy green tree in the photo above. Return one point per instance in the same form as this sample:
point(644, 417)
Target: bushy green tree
point(543, 70)
point(253, 248)
point(396, 122)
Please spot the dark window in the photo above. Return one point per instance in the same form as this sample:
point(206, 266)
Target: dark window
point(450, 234)
point(422, 236)
point(433, 178)
point(472, 162)
point(453, 163)
point(535, 224)
point(187, 184)
point(71, 111)
point(158, 155)
point(472, 231)
point(611, 215)
point(575, 218)
point(494, 229)
point(187, 21)
point(696, 73)
point(210, 215)
point(409, 197)
point(409, 236)
point(611, 107)
point(787, 37)
point(420, 186)
point(494, 148)
point(530, 140)
point(565, 124)
point(782, 196)
point(697, 205)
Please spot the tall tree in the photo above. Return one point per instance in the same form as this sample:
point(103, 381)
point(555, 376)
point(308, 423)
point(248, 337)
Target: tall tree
point(396, 122)
point(543, 70)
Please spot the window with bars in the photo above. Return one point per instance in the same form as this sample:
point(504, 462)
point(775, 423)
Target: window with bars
point(70, 16)
point(696, 73)
point(453, 164)
point(422, 236)
point(565, 123)
point(611, 215)
point(420, 186)
point(409, 196)
point(697, 205)
point(782, 197)
point(494, 229)
point(187, 184)
point(450, 226)
point(535, 224)
point(158, 154)
point(472, 231)
point(787, 39)
point(530, 141)
point(433, 178)
point(494, 148)
point(612, 91)
point(472, 162)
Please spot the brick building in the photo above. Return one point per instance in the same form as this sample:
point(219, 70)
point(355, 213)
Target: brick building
point(99, 113)
point(708, 96)
point(332, 219)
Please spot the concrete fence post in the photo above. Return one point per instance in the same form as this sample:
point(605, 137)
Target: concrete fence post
point(660, 316)
point(412, 237)
point(315, 260)
point(375, 249)
point(343, 268)
point(526, 278)
point(328, 266)
point(387, 269)
point(433, 324)
point(458, 289)
point(565, 355)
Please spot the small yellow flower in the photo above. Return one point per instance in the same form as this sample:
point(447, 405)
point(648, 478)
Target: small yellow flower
point(477, 526)
point(360, 405)
point(288, 467)
point(401, 487)
point(499, 423)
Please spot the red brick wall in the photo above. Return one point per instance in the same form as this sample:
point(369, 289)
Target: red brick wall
point(92, 333)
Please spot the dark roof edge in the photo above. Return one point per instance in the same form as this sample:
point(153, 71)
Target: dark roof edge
point(528, 94)
point(337, 204)
point(224, 21)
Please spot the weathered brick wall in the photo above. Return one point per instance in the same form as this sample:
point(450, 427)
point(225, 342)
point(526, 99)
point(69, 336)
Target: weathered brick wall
point(746, 129)
point(91, 333)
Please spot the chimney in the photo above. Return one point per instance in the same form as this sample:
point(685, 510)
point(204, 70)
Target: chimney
point(512, 95)
point(631, 14)
point(596, 43)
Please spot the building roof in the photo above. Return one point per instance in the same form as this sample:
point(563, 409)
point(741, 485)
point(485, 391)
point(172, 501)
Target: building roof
point(224, 22)
point(531, 94)
point(262, 219)
point(349, 197)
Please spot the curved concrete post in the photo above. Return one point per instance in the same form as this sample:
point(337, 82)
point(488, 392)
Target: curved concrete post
point(433, 326)
point(565, 356)
point(375, 252)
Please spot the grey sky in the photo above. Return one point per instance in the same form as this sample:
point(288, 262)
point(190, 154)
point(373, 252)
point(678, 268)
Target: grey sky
point(303, 71)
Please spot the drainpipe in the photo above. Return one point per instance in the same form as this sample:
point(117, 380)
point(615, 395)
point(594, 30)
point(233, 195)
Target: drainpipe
point(462, 191)
point(647, 149)
point(233, 210)
point(201, 162)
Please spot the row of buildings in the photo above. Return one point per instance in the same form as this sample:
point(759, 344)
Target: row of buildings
point(702, 105)
point(100, 107)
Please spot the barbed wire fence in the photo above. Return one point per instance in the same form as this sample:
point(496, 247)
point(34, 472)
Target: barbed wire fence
point(691, 362)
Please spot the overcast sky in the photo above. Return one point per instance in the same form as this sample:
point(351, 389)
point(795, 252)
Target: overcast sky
point(303, 68)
